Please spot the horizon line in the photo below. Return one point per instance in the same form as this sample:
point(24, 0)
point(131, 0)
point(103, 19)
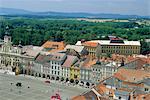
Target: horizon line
point(74, 12)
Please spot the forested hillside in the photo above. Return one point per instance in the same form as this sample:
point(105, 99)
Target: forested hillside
point(37, 31)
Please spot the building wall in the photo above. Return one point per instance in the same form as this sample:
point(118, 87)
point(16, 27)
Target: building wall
point(66, 72)
point(74, 71)
point(85, 75)
point(101, 72)
point(56, 68)
point(92, 50)
point(37, 68)
point(121, 49)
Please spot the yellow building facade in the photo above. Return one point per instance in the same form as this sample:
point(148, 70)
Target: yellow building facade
point(74, 72)
point(91, 47)
point(122, 47)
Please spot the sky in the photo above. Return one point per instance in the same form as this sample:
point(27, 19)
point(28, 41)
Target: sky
point(129, 7)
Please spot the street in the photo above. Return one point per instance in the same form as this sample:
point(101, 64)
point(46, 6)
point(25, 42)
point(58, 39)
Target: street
point(33, 89)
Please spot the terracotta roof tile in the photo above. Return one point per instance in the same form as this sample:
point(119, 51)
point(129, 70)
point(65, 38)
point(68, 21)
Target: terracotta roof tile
point(131, 75)
point(102, 89)
point(142, 97)
point(119, 76)
point(90, 44)
point(89, 63)
point(78, 98)
point(54, 45)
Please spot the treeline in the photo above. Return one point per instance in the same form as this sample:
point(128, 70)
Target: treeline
point(37, 31)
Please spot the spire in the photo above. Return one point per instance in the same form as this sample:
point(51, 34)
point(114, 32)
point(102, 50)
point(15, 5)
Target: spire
point(7, 29)
point(7, 37)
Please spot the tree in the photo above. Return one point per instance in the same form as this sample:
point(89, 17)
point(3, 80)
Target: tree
point(71, 81)
point(36, 32)
point(109, 55)
point(88, 84)
point(145, 49)
point(62, 79)
point(76, 81)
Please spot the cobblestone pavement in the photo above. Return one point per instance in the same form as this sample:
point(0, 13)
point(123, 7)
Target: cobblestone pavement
point(39, 90)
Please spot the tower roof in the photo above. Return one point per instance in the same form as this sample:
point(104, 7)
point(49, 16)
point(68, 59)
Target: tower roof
point(7, 31)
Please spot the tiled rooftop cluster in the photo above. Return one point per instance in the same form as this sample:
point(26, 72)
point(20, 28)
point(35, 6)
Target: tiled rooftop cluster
point(113, 69)
point(126, 84)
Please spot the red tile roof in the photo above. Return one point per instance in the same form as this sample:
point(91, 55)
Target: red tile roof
point(89, 63)
point(131, 75)
point(80, 97)
point(54, 45)
point(90, 44)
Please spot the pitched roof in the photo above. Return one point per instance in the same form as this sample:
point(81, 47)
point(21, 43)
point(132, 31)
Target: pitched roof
point(89, 62)
point(32, 51)
point(90, 44)
point(57, 56)
point(69, 61)
point(131, 75)
point(142, 97)
point(42, 58)
point(80, 97)
point(54, 45)
point(102, 89)
point(77, 48)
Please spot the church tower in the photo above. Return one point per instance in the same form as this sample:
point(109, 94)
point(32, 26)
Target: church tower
point(7, 37)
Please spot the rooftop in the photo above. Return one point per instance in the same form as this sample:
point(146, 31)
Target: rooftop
point(32, 50)
point(108, 42)
point(49, 45)
point(131, 75)
point(69, 61)
point(57, 56)
point(75, 47)
point(87, 43)
point(41, 58)
point(89, 62)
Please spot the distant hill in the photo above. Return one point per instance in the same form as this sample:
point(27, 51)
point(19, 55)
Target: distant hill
point(12, 11)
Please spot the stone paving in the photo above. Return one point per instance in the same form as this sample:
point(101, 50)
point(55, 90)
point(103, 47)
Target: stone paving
point(39, 90)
